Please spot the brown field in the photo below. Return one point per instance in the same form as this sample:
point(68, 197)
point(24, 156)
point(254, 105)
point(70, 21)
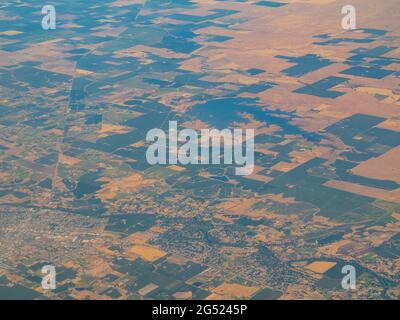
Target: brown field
point(320, 266)
point(147, 289)
point(146, 252)
point(174, 167)
point(396, 216)
point(82, 72)
point(57, 132)
point(332, 249)
point(237, 206)
point(386, 195)
point(269, 235)
point(124, 185)
point(68, 160)
point(140, 237)
point(99, 268)
point(284, 166)
point(106, 251)
point(183, 295)
point(177, 259)
point(11, 32)
point(108, 128)
point(280, 198)
point(233, 291)
point(385, 167)
point(258, 177)
point(390, 124)
point(301, 292)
